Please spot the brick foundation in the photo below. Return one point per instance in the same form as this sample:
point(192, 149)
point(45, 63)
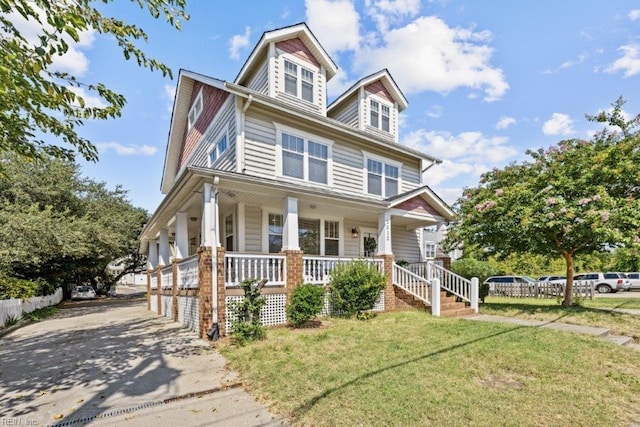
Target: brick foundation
point(205, 307)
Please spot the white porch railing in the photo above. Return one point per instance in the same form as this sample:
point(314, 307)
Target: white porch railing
point(467, 290)
point(412, 283)
point(241, 267)
point(154, 280)
point(316, 270)
point(167, 277)
point(188, 273)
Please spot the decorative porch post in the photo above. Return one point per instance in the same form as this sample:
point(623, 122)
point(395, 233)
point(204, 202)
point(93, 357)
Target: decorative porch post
point(385, 252)
point(182, 236)
point(291, 244)
point(152, 263)
point(205, 305)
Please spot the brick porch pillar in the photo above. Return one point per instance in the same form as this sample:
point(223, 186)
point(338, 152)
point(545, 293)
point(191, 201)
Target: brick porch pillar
point(205, 307)
point(149, 272)
point(389, 292)
point(294, 270)
point(446, 262)
point(174, 292)
point(159, 290)
point(222, 301)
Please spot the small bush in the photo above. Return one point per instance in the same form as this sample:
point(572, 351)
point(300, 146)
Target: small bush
point(306, 303)
point(355, 287)
point(12, 287)
point(246, 322)
point(470, 267)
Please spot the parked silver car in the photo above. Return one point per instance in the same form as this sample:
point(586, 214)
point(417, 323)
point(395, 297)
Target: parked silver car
point(606, 282)
point(83, 292)
point(634, 279)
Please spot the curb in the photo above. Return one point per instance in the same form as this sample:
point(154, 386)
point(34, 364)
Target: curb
point(7, 331)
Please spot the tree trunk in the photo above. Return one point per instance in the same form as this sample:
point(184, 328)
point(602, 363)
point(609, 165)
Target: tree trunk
point(568, 290)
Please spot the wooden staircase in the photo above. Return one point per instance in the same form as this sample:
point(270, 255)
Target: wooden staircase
point(449, 306)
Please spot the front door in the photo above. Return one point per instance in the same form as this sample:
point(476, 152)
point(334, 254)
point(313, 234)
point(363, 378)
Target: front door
point(369, 244)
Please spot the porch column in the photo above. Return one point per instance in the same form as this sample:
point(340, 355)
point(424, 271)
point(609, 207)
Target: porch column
point(389, 290)
point(152, 257)
point(240, 227)
point(384, 234)
point(182, 236)
point(164, 254)
point(290, 240)
point(207, 222)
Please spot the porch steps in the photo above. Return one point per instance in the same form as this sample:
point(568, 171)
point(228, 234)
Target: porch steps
point(449, 307)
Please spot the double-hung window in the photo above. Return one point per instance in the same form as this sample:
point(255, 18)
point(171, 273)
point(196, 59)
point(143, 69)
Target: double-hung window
point(304, 157)
point(308, 235)
point(275, 233)
point(331, 237)
point(430, 250)
point(298, 81)
point(217, 149)
point(379, 115)
point(194, 111)
point(382, 178)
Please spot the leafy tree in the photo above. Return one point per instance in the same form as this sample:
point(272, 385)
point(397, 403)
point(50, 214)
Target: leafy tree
point(59, 226)
point(37, 98)
point(577, 197)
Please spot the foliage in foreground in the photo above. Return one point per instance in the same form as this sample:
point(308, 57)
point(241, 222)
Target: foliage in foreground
point(245, 314)
point(12, 287)
point(364, 373)
point(576, 197)
point(355, 287)
point(38, 96)
point(306, 303)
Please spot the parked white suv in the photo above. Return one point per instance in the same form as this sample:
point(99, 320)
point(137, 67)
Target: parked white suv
point(634, 279)
point(606, 282)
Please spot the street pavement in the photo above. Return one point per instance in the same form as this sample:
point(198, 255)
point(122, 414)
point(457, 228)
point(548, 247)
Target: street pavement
point(112, 362)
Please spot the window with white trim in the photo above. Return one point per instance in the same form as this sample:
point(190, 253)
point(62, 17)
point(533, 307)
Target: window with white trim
point(195, 111)
point(430, 250)
point(228, 233)
point(379, 115)
point(217, 149)
point(298, 81)
point(308, 235)
point(382, 178)
point(275, 233)
point(331, 237)
point(304, 158)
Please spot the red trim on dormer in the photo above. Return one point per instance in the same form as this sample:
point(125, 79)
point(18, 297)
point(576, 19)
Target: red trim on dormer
point(378, 89)
point(298, 49)
point(212, 100)
point(417, 205)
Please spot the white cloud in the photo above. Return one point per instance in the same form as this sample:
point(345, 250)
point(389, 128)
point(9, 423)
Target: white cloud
point(471, 147)
point(335, 24)
point(435, 111)
point(505, 122)
point(568, 64)
point(449, 169)
point(169, 94)
point(74, 60)
point(634, 14)
point(449, 195)
point(629, 62)
point(127, 150)
point(441, 58)
point(238, 42)
point(387, 12)
point(339, 83)
point(558, 124)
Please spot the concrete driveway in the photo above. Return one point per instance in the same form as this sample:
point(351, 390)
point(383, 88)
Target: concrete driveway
point(112, 362)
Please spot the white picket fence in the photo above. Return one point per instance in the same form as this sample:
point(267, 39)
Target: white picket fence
point(581, 288)
point(15, 308)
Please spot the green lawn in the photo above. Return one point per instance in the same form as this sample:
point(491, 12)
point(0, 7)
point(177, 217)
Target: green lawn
point(408, 368)
point(596, 312)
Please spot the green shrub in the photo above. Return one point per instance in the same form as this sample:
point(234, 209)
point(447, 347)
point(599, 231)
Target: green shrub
point(12, 287)
point(245, 321)
point(306, 303)
point(470, 267)
point(355, 287)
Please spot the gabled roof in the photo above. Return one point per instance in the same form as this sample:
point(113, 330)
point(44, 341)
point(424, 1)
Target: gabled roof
point(387, 81)
point(179, 114)
point(300, 31)
point(427, 194)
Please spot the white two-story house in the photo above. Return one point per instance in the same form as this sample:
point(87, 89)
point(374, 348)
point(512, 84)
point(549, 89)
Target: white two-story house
point(263, 179)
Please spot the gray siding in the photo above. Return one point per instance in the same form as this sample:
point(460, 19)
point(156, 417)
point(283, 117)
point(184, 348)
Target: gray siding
point(347, 169)
point(405, 244)
point(351, 245)
point(226, 116)
point(410, 178)
point(347, 113)
point(260, 150)
point(290, 99)
point(253, 228)
point(260, 80)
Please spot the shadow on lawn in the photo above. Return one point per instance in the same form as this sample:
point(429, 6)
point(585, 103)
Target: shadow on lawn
point(506, 309)
point(306, 407)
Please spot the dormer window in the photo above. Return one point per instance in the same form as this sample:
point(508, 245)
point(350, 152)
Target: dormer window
point(195, 110)
point(298, 81)
point(379, 115)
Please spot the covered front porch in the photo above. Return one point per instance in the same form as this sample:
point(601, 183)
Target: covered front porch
point(221, 229)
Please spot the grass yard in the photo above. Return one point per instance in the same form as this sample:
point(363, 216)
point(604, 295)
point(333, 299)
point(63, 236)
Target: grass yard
point(408, 368)
point(595, 312)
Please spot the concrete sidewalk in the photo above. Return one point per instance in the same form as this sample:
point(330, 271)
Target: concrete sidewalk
point(566, 327)
point(98, 363)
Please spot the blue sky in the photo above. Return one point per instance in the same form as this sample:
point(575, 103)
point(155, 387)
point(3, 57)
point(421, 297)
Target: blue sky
point(485, 80)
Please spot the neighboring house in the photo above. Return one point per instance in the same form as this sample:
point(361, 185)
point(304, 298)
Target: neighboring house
point(432, 238)
point(264, 180)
